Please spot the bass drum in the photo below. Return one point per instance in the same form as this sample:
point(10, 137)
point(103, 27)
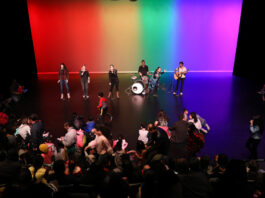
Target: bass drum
point(137, 87)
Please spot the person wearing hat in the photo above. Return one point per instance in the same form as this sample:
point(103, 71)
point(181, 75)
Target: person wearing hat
point(47, 154)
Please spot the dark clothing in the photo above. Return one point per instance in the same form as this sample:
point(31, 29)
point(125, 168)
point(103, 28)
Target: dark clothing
point(14, 87)
point(62, 84)
point(114, 80)
point(63, 74)
point(143, 70)
point(178, 139)
point(252, 145)
point(159, 142)
point(113, 76)
point(36, 134)
point(9, 171)
point(154, 81)
point(116, 84)
point(195, 142)
point(84, 82)
point(178, 150)
point(179, 132)
point(195, 184)
point(85, 75)
point(84, 85)
point(181, 80)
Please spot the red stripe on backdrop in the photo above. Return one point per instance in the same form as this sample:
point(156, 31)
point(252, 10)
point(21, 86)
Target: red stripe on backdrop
point(64, 31)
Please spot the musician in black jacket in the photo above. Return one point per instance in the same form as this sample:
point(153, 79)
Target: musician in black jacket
point(85, 80)
point(113, 81)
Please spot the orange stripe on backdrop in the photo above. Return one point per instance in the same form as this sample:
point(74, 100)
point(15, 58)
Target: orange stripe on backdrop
point(120, 22)
point(66, 31)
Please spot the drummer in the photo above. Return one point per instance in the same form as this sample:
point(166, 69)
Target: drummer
point(143, 69)
point(143, 72)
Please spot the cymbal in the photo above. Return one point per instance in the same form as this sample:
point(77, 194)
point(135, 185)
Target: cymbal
point(133, 77)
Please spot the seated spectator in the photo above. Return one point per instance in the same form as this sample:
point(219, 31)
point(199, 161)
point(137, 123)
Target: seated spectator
point(124, 143)
point(118, 153)
point(194, 119)
point(71, 168)
point(137, 156)
point(47, 152)
point(9, 168)
point(195, 184)
point(195, 140)
point(59, 152)
point(221, 162)
point(233, 183)
point(186, 114)
point(77, 121)
point(90, 155)
point(24, 129)
point(143, 133)
point(89, 125)
point(162, 118)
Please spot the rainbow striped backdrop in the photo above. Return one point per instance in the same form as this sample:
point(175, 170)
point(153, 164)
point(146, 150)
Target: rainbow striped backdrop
point(202, 33)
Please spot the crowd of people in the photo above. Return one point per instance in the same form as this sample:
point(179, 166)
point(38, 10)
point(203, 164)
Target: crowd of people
point(87, 160)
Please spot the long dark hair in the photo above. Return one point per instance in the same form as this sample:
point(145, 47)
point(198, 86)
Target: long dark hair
point(162, 114)
point(257, 121)
point(156, 72)
point(194, 116)
point(64, 67)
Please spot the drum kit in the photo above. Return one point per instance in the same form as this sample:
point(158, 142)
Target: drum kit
point(139, 86)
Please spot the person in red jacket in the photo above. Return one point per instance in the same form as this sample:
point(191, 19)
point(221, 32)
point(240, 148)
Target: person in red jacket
point(103, 107)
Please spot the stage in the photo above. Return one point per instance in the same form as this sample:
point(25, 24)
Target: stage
point(225, 101)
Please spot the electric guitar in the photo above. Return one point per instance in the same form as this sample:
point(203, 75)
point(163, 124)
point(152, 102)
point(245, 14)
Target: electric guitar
point(179, 74)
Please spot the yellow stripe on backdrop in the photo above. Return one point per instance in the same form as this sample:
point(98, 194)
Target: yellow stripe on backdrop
point(120, 34)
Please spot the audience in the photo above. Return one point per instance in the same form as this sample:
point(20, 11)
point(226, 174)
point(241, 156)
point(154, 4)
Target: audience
point(166, 162)
point(143, 133)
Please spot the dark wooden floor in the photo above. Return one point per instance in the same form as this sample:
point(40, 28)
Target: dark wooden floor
point(226, 102)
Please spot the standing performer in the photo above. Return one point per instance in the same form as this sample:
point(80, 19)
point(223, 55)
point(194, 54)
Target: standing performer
point(256, 128)
point(113, 81)
point(63, 80)
point(179, 75)
point(154, 80)
point(85, 80)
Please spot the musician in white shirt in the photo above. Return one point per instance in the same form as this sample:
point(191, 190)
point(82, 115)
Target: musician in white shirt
point(181, 71)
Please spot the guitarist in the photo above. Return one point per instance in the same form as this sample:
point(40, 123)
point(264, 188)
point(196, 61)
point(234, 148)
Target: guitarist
point(180, 75)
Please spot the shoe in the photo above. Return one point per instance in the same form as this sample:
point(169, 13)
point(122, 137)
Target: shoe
point(87, 97)
point(62, 97)
point(174, 93)
point(68, 96)
point(84, 96)
point(181, 93)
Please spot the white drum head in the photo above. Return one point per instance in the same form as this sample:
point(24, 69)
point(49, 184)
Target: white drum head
point(137, 87)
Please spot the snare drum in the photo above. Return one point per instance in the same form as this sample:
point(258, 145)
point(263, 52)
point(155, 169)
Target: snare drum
point(133, 77)
point(137, 87)
point(145, 79)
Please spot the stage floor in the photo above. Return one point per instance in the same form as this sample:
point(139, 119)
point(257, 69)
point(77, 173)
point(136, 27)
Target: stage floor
point(225, 101)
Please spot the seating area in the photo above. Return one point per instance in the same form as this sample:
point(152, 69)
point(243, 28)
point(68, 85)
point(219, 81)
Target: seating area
point(88, 162)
